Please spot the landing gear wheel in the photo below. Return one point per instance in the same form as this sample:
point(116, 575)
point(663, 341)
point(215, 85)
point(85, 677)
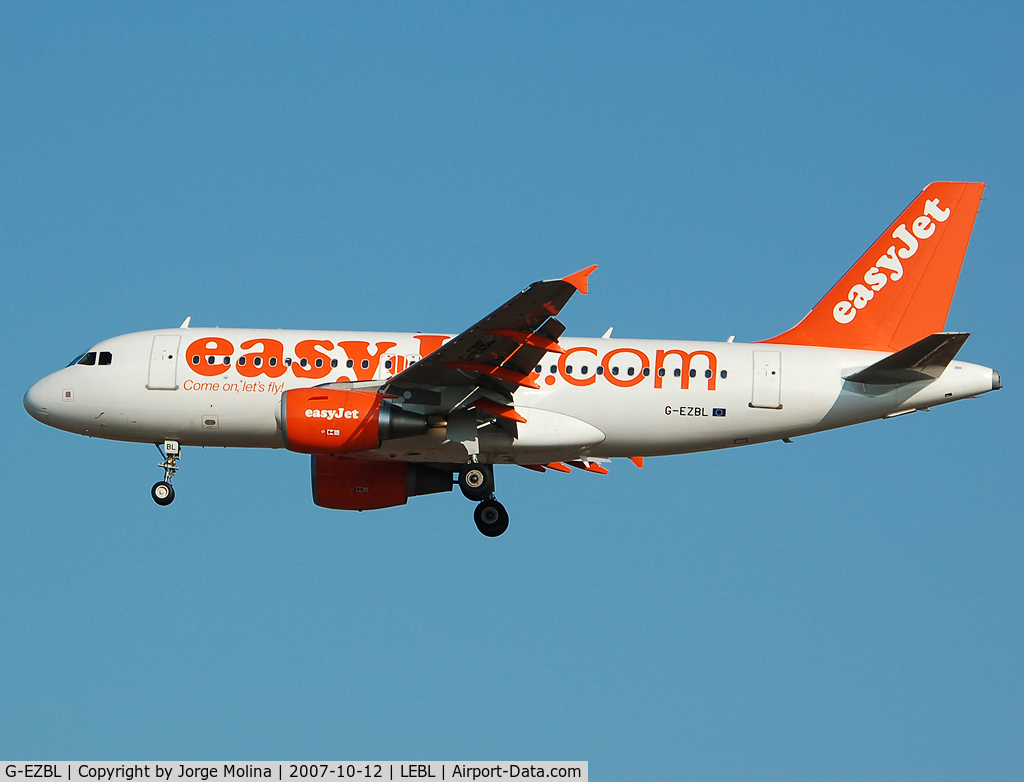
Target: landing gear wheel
point(491, 518)
point(476, 481)
point(163, 493)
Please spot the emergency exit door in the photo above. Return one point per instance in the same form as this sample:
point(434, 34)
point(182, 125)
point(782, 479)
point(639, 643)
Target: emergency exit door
point(163, 363)
point(767, 379)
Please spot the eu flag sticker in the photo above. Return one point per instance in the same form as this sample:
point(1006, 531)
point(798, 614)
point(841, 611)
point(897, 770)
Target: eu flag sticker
point(718, 412)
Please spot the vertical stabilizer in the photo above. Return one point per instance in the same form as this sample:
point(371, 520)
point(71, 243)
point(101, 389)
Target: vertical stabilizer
point(900, 290)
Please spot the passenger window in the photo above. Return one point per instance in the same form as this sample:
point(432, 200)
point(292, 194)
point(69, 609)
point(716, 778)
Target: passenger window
point(724, 374)
point(693, 373)
point(600, 370)
point(195, 359)
point(615, 370)
point(319, 363)
point(273, 361)
point(387, 364)
point(350, 363)
point(210, 360)
point(303, 363)
point(241, 361)
point(227, 361)
point(287, 362)
point(105, 358)
point(661, 372)
point(366, 363)
point(89, 359)
point(568, 370)
point(334, 362)
point(629, 371)
point(553, 369)
point(257, 361)
point(647, 371)
point(707, 373)
point(676, 373)
point(538, 369)
point(583, 370)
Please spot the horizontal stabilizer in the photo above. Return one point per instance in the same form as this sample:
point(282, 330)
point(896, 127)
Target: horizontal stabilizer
point(925, 360)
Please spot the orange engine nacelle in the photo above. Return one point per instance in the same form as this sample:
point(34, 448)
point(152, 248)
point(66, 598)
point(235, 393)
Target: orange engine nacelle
point(328, 420)
point(361, 484)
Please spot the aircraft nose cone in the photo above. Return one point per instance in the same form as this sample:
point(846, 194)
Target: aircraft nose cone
point(36, 401)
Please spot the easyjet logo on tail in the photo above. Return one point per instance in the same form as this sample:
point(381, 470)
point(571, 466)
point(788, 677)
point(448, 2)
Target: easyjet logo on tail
point(889, 267)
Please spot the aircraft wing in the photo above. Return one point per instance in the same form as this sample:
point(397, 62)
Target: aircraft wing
point(497, 354)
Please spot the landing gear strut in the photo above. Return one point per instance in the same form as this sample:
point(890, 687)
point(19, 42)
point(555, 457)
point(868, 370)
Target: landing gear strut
point(477, 483)
point(163, 492)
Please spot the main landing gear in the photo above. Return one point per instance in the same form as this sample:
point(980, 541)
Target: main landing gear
point(163, 492)
point(477, 483)
point(491, 518)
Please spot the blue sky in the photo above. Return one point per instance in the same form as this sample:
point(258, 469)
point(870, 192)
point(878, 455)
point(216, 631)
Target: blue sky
point(849, 606)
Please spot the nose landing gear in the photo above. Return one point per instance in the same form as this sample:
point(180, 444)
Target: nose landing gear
point(477, 483)
point(163, 492)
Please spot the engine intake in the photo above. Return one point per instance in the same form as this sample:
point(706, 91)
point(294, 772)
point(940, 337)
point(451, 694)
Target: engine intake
point(328, 420)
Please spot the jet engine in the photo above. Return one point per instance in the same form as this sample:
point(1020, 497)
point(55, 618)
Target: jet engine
point(343, 483)
point(328, 420)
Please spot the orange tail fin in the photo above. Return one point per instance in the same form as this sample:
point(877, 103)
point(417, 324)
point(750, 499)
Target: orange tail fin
point(900, 290)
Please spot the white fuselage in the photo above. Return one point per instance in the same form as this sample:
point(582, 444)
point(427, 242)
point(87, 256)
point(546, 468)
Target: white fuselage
point(601, 398)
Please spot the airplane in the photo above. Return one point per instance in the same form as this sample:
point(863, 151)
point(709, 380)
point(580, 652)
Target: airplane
point(389, 416)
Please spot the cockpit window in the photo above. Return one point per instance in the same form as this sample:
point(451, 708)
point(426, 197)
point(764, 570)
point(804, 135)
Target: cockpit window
point(89, 359)
point(105, 358)
point(76, 359)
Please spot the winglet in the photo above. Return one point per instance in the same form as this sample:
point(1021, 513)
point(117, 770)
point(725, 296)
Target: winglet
point(579, 279)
